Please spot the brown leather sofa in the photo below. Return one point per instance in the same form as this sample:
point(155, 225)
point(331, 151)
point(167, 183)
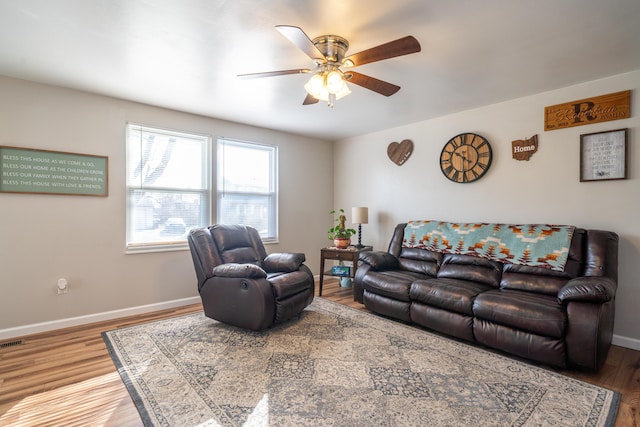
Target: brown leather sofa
point(560, 318)
point(240, 284)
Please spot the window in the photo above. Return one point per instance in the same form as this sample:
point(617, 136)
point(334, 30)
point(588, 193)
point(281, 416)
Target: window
point(168, 187)
point(247, 187)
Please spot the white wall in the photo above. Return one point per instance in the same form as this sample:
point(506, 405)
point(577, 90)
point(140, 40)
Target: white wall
point(45, 237)
point(545, 189)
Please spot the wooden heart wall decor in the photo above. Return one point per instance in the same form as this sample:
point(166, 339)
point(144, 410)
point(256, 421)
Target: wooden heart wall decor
point(399, 153)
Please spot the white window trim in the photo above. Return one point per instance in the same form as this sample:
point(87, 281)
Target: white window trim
point(274, 178)
point(176, 245)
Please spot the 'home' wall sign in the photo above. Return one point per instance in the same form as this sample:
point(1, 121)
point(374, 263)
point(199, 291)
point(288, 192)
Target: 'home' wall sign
point(523, 149)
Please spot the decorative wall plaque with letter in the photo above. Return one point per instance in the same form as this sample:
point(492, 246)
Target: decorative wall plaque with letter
point(399, 153)
point(613, 106)
point(603, 155)
point(523, 149)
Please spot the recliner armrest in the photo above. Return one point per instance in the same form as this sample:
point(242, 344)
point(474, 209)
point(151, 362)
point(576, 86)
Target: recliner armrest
point(379, 260)
point(588, 289)
point(242, 271)
point(283, 262)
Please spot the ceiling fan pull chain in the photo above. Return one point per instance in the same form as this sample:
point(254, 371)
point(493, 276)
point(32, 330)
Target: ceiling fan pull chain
point(332, 99)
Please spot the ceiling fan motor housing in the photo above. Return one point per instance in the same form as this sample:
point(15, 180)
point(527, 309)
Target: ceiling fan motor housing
point(332, 47)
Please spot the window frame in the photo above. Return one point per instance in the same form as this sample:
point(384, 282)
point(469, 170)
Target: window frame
point(177, 244)
point(272, 194)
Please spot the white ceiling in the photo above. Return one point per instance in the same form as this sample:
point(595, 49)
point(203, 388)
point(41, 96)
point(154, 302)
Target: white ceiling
point(185, 54)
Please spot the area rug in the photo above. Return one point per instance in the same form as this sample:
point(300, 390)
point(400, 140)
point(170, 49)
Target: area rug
point(337, 366)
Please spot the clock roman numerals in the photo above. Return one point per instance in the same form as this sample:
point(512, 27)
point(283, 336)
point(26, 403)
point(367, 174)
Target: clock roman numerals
point(465, 158)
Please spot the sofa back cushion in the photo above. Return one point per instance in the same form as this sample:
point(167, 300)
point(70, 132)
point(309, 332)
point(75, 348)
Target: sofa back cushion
point(238, 244)
point(543, 280)
point(415, 260)
point(420, 261)
point(472, 268)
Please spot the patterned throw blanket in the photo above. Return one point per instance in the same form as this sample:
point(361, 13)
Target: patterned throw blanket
point(536, 245)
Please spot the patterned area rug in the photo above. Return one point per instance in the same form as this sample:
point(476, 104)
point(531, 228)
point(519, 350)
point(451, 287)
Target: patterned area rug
point(336, 366)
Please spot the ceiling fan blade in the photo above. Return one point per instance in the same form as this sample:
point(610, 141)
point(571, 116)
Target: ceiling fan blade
point(298, 37)
point(371, 83)
point(403, 46)
point(273, 73)
point(310, 100)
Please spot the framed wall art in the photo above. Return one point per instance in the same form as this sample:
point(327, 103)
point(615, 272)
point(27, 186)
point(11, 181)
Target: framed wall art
point(603, 155)
point(28, 170)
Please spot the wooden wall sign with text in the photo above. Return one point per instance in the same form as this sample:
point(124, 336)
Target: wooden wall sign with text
point(614, 106)
point(27, 170)
point(523, 149)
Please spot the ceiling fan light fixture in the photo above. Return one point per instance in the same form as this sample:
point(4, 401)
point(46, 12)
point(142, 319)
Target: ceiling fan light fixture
point(343, 91)
point(327, 86)
point(315, 85)
point(334, 82)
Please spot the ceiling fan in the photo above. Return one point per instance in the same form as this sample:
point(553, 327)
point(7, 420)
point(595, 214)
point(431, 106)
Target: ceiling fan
point(327, 52)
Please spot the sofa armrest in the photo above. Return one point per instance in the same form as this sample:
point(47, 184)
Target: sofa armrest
point(379, 260)
point(241, 271)
point(283, 262)
point(588, 289)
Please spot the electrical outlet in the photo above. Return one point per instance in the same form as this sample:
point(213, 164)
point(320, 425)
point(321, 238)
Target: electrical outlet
point(63, 286)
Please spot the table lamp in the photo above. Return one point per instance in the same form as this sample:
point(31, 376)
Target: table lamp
point(360, 216)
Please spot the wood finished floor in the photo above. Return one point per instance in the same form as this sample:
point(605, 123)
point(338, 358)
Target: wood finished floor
point(66, 377)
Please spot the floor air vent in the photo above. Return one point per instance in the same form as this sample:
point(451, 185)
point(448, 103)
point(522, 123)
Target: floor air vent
point(11, 343)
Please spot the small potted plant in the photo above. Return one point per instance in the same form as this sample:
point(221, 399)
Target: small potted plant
point(340, 235)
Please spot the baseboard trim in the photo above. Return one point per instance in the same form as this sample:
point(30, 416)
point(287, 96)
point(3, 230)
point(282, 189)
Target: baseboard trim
point(36, 328)
point(632, 343)
point(19, 331)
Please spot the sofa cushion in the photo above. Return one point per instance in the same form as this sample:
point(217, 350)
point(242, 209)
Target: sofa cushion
point(547, 350)
point(392, 284)
point(286, 284)
point(544, 280)
point(444, 321)
point(235, 244)
point(471, 268)
point(533, 279)
point(387, 306)
point(449, 294)
point(527, 311)
point(420, 261)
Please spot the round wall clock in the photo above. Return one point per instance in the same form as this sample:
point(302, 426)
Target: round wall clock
point(465, 158)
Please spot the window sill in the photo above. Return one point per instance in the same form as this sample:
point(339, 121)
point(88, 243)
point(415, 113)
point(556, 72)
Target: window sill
point(168, 247)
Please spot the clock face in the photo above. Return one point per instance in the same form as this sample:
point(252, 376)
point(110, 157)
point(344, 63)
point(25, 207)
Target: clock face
point(465, 158)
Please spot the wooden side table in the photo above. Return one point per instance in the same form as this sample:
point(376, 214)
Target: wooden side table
point(349, 254)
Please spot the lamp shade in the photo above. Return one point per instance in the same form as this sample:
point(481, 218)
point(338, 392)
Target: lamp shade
point(360, 215)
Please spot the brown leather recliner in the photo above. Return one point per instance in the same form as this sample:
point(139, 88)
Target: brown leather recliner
point(240, 284)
